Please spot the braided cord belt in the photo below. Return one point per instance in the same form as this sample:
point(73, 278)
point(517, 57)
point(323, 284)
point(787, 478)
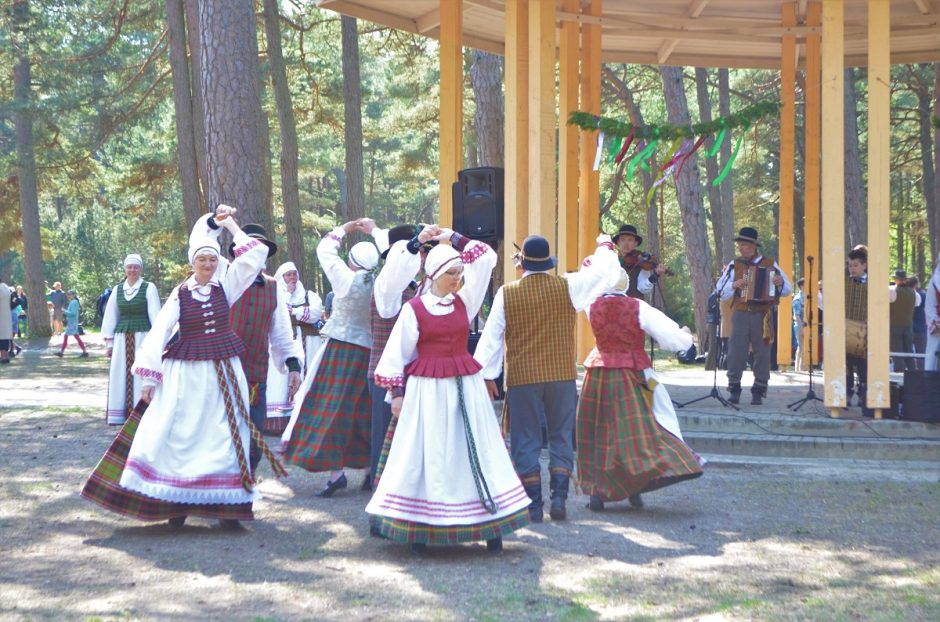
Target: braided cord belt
point(247, 482)
point(483, 491)
point(129, 343)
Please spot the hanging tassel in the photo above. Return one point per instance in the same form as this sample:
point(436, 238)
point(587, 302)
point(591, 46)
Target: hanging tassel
point(626, 145)
point(734, 154)
point(600, 151)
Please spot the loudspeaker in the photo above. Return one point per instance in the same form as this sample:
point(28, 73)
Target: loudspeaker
point(478, 203)
point(921, 396)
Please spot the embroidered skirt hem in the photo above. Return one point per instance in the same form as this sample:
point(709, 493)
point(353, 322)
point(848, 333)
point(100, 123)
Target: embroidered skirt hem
point(411, 532)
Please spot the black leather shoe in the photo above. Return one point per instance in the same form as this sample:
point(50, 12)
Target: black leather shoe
point(332, 487)
point(494, 545)
point(177, 521)
point(596, 504)
point(636, 501)
point(735, 397)
point(367, 483)
point(756, 399)
point(59, 353)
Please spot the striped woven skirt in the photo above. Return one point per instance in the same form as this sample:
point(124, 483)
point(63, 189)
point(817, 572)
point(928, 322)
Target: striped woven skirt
point(331, 427)
point(622, 449)
point(103, 486)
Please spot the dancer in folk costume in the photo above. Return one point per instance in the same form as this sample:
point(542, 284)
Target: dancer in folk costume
point(188, 454)
point(329, 428)
point(131, 311)
point(448, 477)
point(394, 286)
point(629, 440)
point(932, 312)
point(536, 316)
point(304, 308)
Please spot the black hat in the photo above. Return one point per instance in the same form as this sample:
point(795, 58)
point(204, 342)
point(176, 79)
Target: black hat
point(257, 232)
point(536, 254)
point(399, 233)
point(900, 274)
point(747, 234)
point(629, 230)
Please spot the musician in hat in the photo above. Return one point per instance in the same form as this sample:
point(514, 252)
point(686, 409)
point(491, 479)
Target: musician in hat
point(903, 300)
point(260, 318)
point(754, 282)
point(633, 260)
point(532, 321)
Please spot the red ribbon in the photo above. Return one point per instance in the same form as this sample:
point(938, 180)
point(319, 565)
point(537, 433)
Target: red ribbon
point(695, 147)
point(626, 145)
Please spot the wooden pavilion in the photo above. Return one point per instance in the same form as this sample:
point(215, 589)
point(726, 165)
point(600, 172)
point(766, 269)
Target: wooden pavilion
point(579, 35)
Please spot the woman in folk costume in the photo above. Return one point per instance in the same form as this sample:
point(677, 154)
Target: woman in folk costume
point(329, 428)
point(448, 477)
point(188, 454)
point(304, 308)
point(629, 440)
point(131, 311)
point(932, 313)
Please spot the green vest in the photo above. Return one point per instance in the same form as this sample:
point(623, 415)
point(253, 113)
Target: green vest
point(902, 309)
point(133, 312)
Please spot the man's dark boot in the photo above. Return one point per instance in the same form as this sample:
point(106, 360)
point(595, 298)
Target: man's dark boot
point(559, 487)
point(757, 394)
point(532, 483)
point(735, 391)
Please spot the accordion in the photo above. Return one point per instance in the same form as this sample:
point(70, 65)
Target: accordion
point(758, 283)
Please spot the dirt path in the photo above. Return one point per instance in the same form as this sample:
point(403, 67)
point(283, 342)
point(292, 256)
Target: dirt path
point(792, 541)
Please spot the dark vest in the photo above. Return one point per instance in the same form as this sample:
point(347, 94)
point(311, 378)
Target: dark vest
point(902, 309)
point(132, 313)
point(252, 317)
point(204, 333)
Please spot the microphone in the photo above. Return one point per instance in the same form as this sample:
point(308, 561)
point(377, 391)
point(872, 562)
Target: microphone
point(809, 258)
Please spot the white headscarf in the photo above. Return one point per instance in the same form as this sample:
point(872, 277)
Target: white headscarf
point(204, 246)
point(440, 259)
point(364, 255)
point(622, 284)
point(300, 292)
point(134, 260)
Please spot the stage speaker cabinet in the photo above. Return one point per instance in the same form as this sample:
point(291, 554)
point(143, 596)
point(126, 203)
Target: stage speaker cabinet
point(478, 203)
point(921, 396)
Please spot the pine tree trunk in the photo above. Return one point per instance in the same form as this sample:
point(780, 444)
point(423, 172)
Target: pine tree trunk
point(486, 79)
point(232, 90)
point(290, 193)
point(26, 174)
point(727, 185)
point(933, 217)
point(352, 96)
point(191, 8)
point(856, 217)
point(711, 166)
point(689, 192)
point(928, 180)
point(183, 105)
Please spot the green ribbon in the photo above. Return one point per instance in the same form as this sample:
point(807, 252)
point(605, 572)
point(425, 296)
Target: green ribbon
point(718, 140)
point(613, 150)
point(734, 155)
point(642, 157)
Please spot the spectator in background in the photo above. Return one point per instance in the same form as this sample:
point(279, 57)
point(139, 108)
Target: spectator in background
point(920, 321)
point(58, 299)
point(903, 301)
point(23, 304)
point(799, 299)
point(72, 316)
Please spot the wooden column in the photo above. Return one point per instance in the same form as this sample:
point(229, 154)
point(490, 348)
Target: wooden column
point(515, 215)
point(451, 101)
point(833, 202)
point(589, 184)
point(879, 199)
point(568, 52)
point(787, 160)
point(543, 213)
point(811, 181)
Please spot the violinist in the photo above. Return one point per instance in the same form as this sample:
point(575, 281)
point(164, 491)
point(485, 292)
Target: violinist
point(642, 268)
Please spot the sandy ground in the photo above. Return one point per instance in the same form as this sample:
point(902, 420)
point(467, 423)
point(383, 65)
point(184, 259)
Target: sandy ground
point(751, 540)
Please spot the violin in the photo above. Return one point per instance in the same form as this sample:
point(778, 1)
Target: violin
point(645, 261)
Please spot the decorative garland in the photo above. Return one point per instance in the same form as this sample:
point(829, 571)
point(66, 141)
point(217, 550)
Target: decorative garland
point(618, 137)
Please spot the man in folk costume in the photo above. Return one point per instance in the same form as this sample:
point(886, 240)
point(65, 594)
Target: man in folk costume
point(187, 455)
point(532, 321)
point(304, 307)
point(394, 286)
point(932, 312)
point(750, 324)
point(131, 310)
point(628, 242)
point(260, 318)
point(903, 300)
point(330, 427)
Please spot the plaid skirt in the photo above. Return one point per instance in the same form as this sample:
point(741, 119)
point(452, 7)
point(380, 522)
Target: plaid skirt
point(622, 450)
point(334, 425)
point(103, 486)
point(409, 532)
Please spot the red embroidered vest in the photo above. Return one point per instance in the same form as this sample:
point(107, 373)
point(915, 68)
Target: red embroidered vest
point(442, 343)
point(615, 321)
point(204, 333)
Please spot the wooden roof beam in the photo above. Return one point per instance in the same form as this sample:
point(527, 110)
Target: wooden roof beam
point(358, 11)
point(429, 21)
point(695, 9)
point(924, 7)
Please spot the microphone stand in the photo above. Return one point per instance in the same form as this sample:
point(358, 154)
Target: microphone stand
point(810, 393)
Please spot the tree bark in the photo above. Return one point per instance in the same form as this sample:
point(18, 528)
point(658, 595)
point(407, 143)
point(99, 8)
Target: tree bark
point(856, 218)
point(183, 106)
point(711, 168)
point(726, 186)
point(38, 316)
point(191, 7)
point(928, 180)
point(232, 90)
point(933, 217)
point(689, 193)
point(486, 79)
point(290, 192)
point(352, 96)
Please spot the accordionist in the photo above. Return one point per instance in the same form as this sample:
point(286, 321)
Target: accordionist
point(755, 284)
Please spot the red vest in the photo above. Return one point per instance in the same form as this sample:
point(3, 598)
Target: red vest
point(252, 317)
point(204, 334)
point(615, 321)
point(442, 343)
